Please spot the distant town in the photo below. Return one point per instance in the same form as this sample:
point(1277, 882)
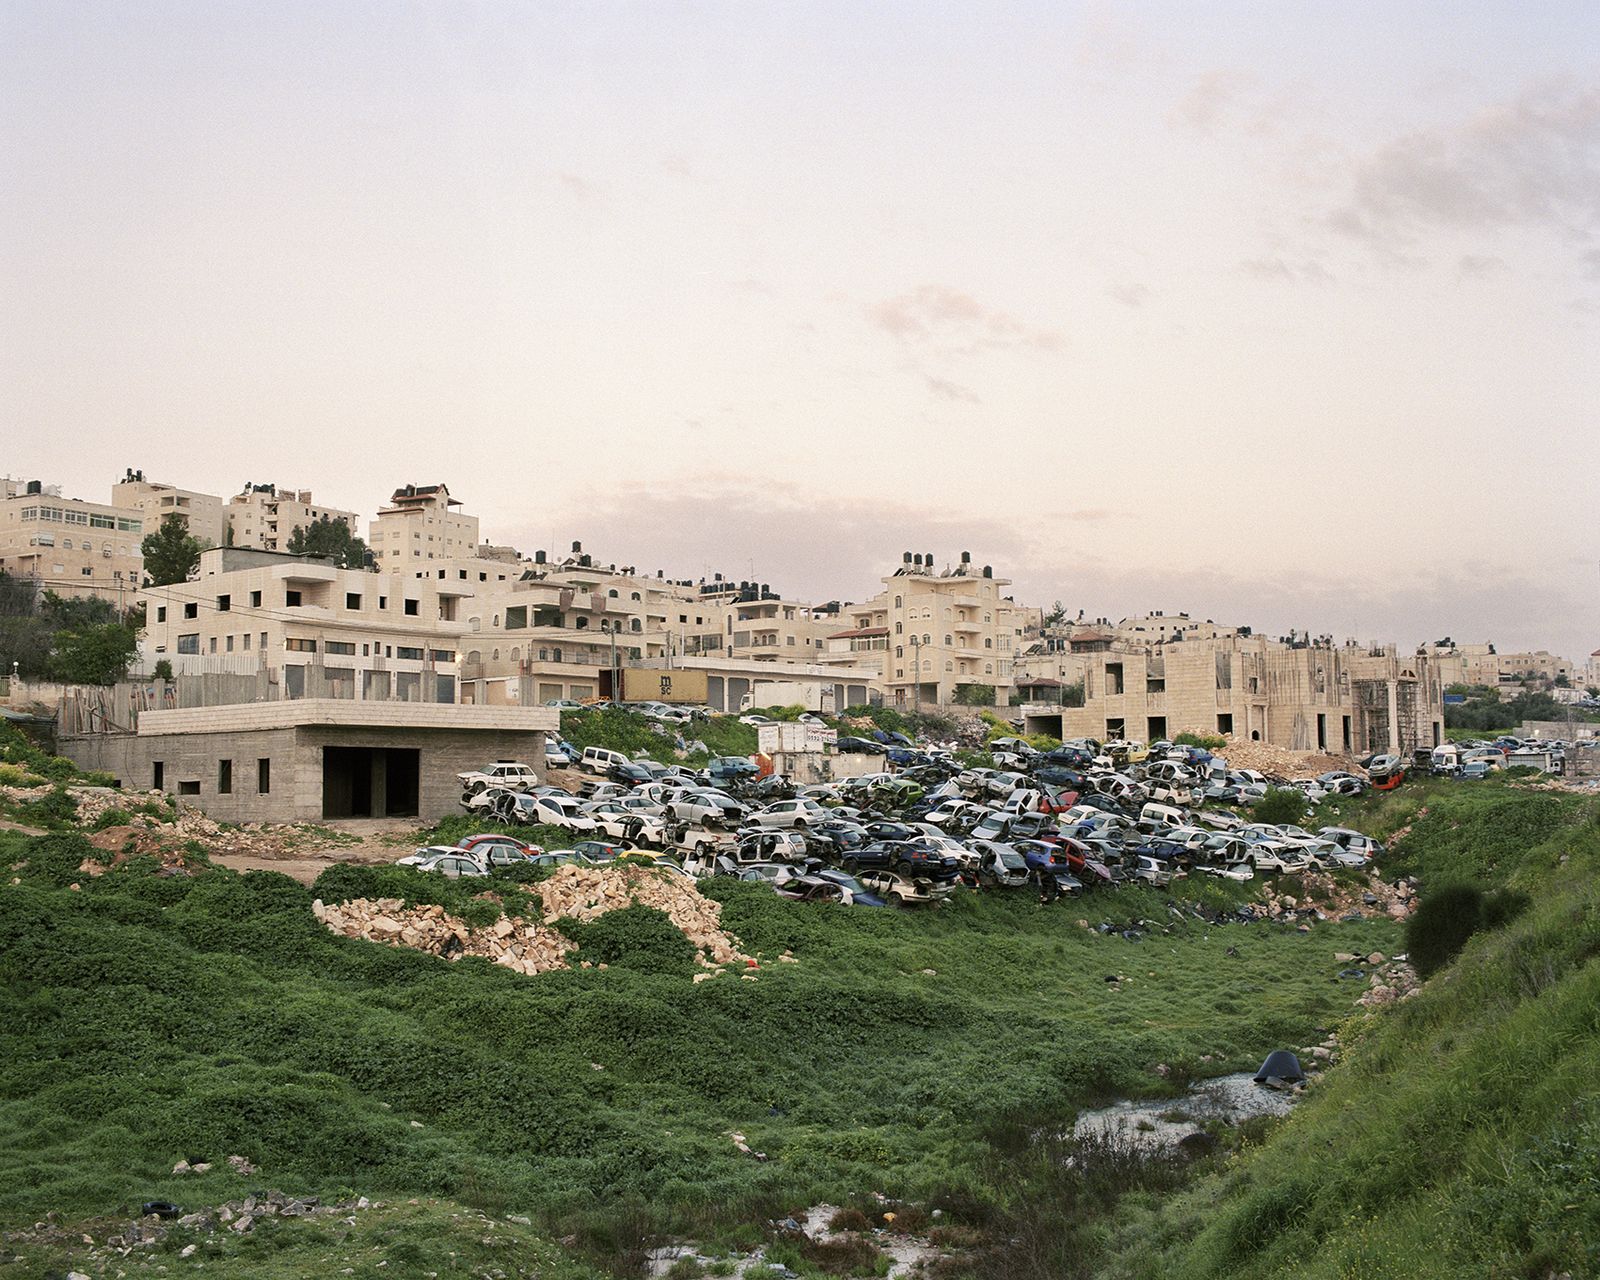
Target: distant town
point(267, 598)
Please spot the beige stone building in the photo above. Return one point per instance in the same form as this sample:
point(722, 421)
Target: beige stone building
point(201, 513)
point(942, 630)
point(1302, 696)
point(421, 523)
point(265, 516)
point(304, 628)
point(68, 546)
point(1481, 664)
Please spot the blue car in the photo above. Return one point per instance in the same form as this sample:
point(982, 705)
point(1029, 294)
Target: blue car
point(858, 893)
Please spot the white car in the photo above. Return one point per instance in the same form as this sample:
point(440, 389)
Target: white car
point(903, 891)
point(756, 719)
point(789, 813)
point(427, 853)
point(565, 812)
point(502, 773)
point(630, 825)
point(708, 808)
point(454, 865)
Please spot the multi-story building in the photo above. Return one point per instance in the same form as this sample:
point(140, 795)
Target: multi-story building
point(1299, 695)
point(420, 523)
point(201, 513)
point(70, 547)
point(265, 516)
point(945, 630)
point(1482, 664)
point(304, 628)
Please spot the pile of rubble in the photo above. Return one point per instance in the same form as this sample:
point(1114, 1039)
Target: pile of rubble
point(586, 892)
point(510, 941)
point(1320, 893)
point(1390, 980)
point(1281, 762)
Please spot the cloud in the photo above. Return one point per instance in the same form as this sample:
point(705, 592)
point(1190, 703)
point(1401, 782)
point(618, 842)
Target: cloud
point(1533, 161)
point(1473, 266)
point(947, 390)
point(1276, 268)
point(1130, 295)
point(818, 547)
point(1212, 100)
point(935, 314)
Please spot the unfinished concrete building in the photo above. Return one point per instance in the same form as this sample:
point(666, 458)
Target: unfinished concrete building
point(1304, 696)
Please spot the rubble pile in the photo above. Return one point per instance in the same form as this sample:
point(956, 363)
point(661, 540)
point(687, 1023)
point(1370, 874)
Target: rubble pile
point(510, 941)
point(1320, 892)
point(1241, 753)
point(586, 892)
point(1391, 980)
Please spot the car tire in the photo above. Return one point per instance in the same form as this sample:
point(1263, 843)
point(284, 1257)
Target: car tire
point(897, 900)
point(904, 867)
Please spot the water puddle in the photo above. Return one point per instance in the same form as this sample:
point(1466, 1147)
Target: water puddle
point(1160, 1125)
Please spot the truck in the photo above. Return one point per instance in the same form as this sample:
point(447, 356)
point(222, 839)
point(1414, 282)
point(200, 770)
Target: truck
point(784, 693)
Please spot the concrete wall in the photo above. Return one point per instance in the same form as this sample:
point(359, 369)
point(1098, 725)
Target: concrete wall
point(295, 752)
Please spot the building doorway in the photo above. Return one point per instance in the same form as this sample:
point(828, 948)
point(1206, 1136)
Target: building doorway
point(370, 782)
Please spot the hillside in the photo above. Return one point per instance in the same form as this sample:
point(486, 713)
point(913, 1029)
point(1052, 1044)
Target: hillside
point(1460, 1135)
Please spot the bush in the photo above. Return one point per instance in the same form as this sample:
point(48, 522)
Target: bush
point(1208, 741)
point(632, 938)
point(1280, 805)
point(1441, 925)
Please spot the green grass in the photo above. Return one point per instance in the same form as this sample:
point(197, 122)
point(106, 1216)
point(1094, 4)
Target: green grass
point(635, 735)
point(1461, 1135)
point(148, 1019)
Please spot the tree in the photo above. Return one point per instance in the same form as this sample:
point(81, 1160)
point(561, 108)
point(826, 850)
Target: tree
point(170, 553)
point(974, 695)
point(1280, 805)
point(96, 655)
point(1056, 616)
point(332, 538)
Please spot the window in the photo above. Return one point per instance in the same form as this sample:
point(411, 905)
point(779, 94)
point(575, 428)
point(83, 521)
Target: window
point(224, 603)
point(264, 776)
point(191, 609)
point(255, 599)
point(158, 775)
point(948, 643)
point(224, 777)
point(263, 639)
point(213, 645)
point(352, 599)
point(247, 642)
point(1113, 678)
point(344, 648)
point(161, 613)
point(294, 644)
point(291, 599)
point(189, 788)
point(899, 602)
point(383, 602)
point(189, 643)
point(407, 653)
point(229, 644)
point(517, 617)
point(447, 655)
point(411, 608)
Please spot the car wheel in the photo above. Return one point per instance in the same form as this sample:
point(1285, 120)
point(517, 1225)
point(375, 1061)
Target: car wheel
point(897, 900)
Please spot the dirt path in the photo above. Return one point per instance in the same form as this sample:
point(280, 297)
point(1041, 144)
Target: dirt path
point(369, 842)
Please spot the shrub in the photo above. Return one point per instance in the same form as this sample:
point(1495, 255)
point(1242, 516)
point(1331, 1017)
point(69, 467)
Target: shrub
point(632, 938)
point(1280, 805)
point(1209, 741)
point(1441, 925)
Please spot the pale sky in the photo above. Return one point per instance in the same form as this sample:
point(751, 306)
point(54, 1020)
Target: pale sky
point(1282, 314)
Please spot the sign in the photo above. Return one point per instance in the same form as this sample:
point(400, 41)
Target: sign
point(646, 684)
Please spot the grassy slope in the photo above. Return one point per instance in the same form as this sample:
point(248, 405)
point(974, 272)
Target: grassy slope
point(1461, 1135)
point(148, 1019)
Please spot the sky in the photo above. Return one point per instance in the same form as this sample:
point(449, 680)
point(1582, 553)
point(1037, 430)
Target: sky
point(1286, 315)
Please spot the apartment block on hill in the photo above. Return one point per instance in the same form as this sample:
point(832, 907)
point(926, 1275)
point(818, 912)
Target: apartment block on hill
point(73, 548)
point(265, 516)
point(421, 523)
point(201, 513)
point(301, 627)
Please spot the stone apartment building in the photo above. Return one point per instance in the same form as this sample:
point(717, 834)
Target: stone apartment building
point(929, 632)
point(73, 548)
point(265, 516)
point(201, 513)
point(1481, 664)
point(421, 523)
point(1339, 699)
point(304, 628)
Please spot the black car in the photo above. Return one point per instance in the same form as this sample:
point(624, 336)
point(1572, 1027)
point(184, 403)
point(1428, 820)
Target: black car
point(1059, 775)
point(884, 830)
point(906, 856)
point(860, 746)
point(630, 774)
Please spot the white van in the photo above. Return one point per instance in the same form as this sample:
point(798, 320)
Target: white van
point(600, 759)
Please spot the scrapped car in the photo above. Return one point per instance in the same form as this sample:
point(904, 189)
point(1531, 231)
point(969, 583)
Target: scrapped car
point(502, 773)
point(708, 808)
point(999, 864)
point(905, 891)
point(454, 865)
point(789, 813)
